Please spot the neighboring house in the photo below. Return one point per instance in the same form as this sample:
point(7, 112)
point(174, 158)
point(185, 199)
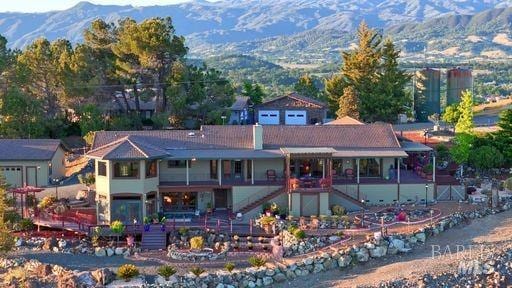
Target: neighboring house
point(291, 109)
point(31, 162)
point(304, 168)
point(241, 113)
point(146, 108)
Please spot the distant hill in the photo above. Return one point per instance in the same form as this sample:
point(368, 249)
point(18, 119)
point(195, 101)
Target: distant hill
point(292, 30)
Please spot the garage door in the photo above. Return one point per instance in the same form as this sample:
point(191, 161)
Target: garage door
point(295, 117)
point(268, 117)
point(13, 175)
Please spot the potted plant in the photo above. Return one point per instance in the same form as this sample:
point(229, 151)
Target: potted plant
point(183, 233)
point(249, 246)
point(209, 208)
point(428, 169)
point(117, 227)
point(267, 222)
point(147, 223)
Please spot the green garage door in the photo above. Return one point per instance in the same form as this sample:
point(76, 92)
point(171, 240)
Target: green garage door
point(13, 175)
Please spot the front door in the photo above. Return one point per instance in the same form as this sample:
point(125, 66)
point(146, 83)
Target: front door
point(31, 176)
point(221, 198)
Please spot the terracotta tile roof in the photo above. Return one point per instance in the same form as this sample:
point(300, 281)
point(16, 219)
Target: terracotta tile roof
point(336, 136)
point(151, 144)
point(347, 120)
point(28, 149)
point(296, 96)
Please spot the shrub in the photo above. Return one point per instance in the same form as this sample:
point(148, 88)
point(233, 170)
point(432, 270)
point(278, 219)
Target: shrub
point(197, 242)
point(183, 231)
point(299, 234)
point(256, 261)
point(338, 210)
point(6, 240)
point(196, 270)
point(508, 184)
point(117, 227)
point(166, 271)
point(229, 266)
point(26, 224)
point(428, 168)
point(31, 201)
point(127, 272)
point(292, 228)
point(267, 220)
point(46, 202)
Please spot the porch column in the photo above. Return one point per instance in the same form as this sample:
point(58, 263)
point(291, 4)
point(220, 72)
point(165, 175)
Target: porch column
point(144, 207)
point(398, 171)
point(287, 173)
point(323, 167)
point(252, 171)
point(357, 170)
point(188, 175)
point(219, 171)
point(157, 201)
point(434, 169)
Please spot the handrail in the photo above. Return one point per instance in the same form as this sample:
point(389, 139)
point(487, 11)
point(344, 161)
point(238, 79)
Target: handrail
point(254, 197)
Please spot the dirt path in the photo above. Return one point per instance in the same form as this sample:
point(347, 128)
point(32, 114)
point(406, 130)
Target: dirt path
point(471, 240)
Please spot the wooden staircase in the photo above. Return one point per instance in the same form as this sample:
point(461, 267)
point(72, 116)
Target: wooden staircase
point(154, 238)
point(262, 200)
point(348, 198)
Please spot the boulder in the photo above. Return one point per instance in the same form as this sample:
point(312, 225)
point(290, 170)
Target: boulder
point(267, 281)
point(362, 255)
point(49, 243)
point(421, 237)
point(43, 270)
point(62, 243)
point(279, 277)
point(103, 276)
point(119, 251)
point(318, 268)
point(378, 252)
point(85, 279)
point(65, 280)
point(19, 243)
point(334, 239)
point(100, 252)
point(109, 251)
point(344, 261)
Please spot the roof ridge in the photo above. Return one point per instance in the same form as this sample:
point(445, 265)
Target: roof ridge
point(137, 147)
point(117, 141)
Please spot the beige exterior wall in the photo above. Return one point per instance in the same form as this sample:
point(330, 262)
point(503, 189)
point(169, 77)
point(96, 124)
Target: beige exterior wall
point(198, 171)
point(58, 164)
point(102, 182)
point(243, 195)
point(324, 204)
point(379, 194)
point(409, 193)
point(262, 165)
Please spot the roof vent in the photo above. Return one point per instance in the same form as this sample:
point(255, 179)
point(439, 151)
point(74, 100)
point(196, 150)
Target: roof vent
point(191, 134)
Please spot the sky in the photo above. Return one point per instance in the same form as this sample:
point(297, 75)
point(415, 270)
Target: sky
point(50, 5)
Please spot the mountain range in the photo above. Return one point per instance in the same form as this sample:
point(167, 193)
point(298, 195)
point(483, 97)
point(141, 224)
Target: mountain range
point(295, 31)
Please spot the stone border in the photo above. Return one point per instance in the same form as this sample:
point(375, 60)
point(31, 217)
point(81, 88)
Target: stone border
point(323, 261)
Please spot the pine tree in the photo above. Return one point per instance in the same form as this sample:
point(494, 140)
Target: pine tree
point(306, 87)
point(348, 104)
point(391, 96)
point(334, 90)
point(6, 239)
point(465, 122)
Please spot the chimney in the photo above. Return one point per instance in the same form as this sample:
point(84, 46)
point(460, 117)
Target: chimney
point(257, 136)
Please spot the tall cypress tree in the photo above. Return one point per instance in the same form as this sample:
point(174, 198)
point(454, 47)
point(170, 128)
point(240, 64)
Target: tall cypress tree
point(465, 123)
point(348, 104)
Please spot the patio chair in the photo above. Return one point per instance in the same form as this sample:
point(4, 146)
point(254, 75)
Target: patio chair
point(349, 173)
point(271, 174)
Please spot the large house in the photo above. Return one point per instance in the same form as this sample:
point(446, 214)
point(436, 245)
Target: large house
point(31, 162)
point(304, 168)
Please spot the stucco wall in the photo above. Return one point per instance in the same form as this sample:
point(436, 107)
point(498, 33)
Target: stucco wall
point(262, 165)
point(58, 164)
point(199, 170)
point(349, 189)
point(379, 194)
point(243, 195)
point(102, 182)
point(409, 193)
point(324, 204)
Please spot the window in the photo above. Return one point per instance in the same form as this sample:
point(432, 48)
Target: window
point(126, 170)
point(249, 169)
point(238, 168)
point(151, 169)
point(102, 168)
point(370, 167)
point(177, 164)
point(213, 169)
